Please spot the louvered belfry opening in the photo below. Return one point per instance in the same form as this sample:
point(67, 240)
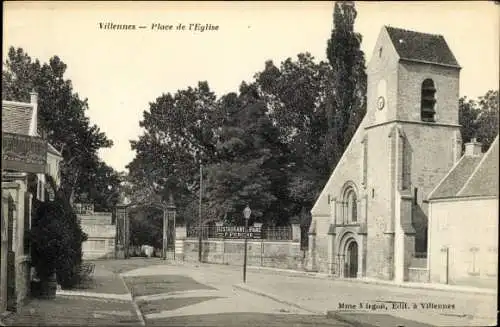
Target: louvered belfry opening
point(428, 101)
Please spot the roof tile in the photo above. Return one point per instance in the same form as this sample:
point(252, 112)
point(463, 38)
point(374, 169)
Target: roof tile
point(16, 118)
point(484, 182)
point(419, 46)
point(456, 178)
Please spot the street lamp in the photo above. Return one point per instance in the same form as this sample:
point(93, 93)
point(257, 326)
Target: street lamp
point(246, 213)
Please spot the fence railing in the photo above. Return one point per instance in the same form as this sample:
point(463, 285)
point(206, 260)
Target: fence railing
point(282, 233)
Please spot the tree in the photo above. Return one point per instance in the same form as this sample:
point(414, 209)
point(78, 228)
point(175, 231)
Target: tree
point(180, 132)
point(252, 161)
point(346, 97)
point(61, 116)
point(479, 118)
point(295, 94)
point(487, 119)
point(56, 239)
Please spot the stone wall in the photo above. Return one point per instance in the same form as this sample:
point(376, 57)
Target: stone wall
point(101, 235)
point(418, 275)
point(276, 254)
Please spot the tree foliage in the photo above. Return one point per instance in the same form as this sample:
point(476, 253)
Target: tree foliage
point(272, 144)
point(479, 118)
point(56, 240)
point(61, 114)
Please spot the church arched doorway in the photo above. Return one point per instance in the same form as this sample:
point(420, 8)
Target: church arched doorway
point(351, 262)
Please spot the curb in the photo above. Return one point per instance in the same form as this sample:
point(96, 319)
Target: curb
point(122, 297)
point(424, 286)
point(138, 312)
point(275, 298)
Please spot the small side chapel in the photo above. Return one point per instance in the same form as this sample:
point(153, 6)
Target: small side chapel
point(370, 220)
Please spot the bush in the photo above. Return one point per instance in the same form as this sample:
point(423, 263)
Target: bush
point(56, 240)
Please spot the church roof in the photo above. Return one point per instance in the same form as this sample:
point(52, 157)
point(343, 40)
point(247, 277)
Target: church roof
point(16, 117)
point(471, 176)
point(421, 47)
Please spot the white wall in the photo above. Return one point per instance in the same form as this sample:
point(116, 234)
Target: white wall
point(462, 226)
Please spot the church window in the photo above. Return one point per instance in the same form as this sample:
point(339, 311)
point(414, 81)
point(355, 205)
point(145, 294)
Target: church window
point(428, 101)
point(351, 206)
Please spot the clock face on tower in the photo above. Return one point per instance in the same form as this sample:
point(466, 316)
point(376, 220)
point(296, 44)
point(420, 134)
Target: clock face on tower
point(380, 102)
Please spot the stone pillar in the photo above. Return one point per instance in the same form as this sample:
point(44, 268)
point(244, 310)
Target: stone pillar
point(121, 212)
point(180, 236)
point(404, 243)
point(4, 250)
point(311, 263)
point(295, 232)
point(361, 239)
point(331, 250)
point(332, 236)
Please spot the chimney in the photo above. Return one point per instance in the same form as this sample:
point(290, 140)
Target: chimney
point(34, 117)
point(473, 148)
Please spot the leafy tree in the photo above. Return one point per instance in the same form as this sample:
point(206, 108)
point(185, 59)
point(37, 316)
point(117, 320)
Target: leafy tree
point(295, 94)
point(61, 116)
point(102, 184)
point(346, 97)
point(487, 119)
point(180, 132)
point(317, 108)
point(251, 166)
point(56, 240)
point(479, 118)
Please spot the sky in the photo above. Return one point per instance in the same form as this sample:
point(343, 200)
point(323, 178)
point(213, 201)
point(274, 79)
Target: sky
point(122, 71)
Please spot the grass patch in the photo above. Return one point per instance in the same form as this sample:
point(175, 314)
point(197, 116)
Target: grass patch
point(149, 285)
point(157, 306)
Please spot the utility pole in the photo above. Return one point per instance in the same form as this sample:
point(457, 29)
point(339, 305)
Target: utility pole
point(199, 212)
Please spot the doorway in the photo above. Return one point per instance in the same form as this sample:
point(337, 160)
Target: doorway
point(351, 264)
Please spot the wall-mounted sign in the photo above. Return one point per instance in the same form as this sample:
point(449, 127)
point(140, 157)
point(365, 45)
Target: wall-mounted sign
point(238, 232)
point(24, 153)
point(83, 208)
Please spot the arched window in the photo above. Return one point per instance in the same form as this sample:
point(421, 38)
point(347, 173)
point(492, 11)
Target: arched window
point(351, 206)
point(428, 101)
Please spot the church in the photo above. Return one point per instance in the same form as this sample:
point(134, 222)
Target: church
point(371, 218)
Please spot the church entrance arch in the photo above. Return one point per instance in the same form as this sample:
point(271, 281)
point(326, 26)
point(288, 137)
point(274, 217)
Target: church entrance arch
point(351, 262)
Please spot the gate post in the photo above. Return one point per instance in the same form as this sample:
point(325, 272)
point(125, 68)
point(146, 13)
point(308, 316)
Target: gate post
point(169, 228)
point(180, 236)
point(122, 229)
point(311, 264)
point(4, 252)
